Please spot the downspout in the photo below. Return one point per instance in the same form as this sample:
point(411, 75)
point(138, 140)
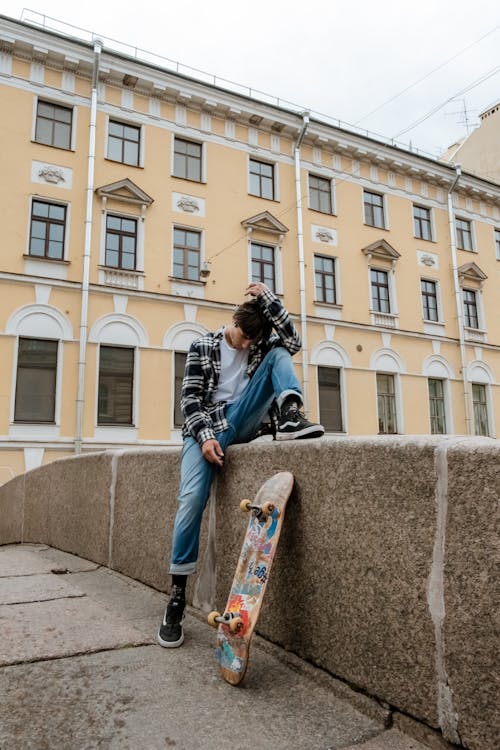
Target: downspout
point(302, 276)
point(82, 358)
point(458, 300)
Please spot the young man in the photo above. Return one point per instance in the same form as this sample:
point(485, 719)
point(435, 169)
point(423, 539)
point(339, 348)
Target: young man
point(231, 380)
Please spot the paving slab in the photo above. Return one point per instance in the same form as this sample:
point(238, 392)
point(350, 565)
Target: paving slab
point(17, 561)
point(36, 588)
point(390, 740)
point(60, 627)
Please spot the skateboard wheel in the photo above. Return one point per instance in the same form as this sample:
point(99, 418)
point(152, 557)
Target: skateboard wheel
point(245, 505)
point(268, 509)
point(212, 621)
point(236, 624)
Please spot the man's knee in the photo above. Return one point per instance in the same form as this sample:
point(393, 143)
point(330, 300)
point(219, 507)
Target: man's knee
point(277, 354)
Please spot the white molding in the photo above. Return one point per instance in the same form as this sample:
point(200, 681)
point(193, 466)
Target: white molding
point(330, 354)
point(39, 321)
point(118, 329)
point(387, 361)
point(180, 336)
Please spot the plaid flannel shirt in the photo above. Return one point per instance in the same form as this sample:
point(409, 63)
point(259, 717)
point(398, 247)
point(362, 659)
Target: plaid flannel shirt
point(204, 417)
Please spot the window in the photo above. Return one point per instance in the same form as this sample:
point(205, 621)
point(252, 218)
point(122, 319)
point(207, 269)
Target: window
point(386, 404)
point(470, 308)
point(116, 379)
point(324, 275)
point(374, 209)
point(480, 407)
point(436, 406)
point(47, 229)
point(186, 254)
point(330, 408)
point(123, 143)
point(180, 365)
point(380, 291)
point(429, 299)
point(36, 381)
point(263, 266)
point(53, 124)
point(497, 243)
point(320, 194)
point(464, 234)
point(121, 242)
point(187, 160)
point(261, 179)
point(422, 223)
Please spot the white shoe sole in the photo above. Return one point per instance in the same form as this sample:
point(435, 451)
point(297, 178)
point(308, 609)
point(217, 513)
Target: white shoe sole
point(314, 431)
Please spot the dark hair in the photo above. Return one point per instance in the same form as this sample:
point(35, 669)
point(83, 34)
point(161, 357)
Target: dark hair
point(250, 319)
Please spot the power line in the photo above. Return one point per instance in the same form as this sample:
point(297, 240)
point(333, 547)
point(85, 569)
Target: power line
point(427, 75)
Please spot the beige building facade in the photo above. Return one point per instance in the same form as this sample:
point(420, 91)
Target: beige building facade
point(139, 203)
point(479, 152)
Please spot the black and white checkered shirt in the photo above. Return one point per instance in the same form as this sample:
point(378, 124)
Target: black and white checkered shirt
point(204, 417)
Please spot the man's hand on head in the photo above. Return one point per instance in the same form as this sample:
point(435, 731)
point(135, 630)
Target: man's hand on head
point(256, 288)
point(212, 452)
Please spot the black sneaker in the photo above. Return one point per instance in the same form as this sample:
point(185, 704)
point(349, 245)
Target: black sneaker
point(293, 425)
point(171, 634)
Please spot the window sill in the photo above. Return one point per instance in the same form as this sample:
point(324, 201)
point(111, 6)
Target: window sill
point(475, 334)
point(120, 278)
point(424, 239)
point(373, 226)
point(59, 148)
point(188, 179)
point(328, 310)
point(125, 164)
point(435, 327)
point(34, 430)
point(116, 433)
point(322, 213)
point(384, 320)
point(262, 198)
point(41, 259)
point(181, 280)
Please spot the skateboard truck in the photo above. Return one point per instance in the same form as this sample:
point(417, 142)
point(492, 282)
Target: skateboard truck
point(261, 511)
point(232, 619)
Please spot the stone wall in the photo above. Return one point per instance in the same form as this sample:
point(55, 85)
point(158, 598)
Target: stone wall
point(386, 574)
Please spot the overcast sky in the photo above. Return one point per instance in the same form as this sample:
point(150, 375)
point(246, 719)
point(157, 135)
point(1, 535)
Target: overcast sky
point(337, 58)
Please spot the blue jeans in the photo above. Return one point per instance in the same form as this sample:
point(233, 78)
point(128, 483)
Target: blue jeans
point(274, 379)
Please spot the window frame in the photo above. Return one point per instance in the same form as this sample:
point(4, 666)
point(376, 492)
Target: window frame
point(125, 124)
point(177, 380)
point(273, 178)
point(64, 224)
point(436, 296)
point(274, 264)
point(186, 249)
point(377, 285)
point(56, 379)
point(459, 234)
point(442, 399)
point(484, 404)
point(333, 274)
point(466, 304)
point(72, 125)
point(330, 183)
point(133, 387)
point(417, 221)
point(496, 239)
point(201, 159)
point(340, 375)
point(370, 207)
point(394, 396)
point(121, 234)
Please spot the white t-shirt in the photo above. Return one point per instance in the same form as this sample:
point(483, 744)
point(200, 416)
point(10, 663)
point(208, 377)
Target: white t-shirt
point(233, 378)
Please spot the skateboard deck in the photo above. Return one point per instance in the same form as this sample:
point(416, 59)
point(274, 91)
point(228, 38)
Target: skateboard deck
point(236, 625)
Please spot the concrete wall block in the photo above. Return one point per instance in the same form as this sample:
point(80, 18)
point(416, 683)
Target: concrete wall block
point(67, 505)
point(348, 590)
point(472, 592)
point(12, 510)
point(145, 502)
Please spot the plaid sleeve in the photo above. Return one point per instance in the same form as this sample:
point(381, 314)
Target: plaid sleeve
point(197, 420)
point(281, 321)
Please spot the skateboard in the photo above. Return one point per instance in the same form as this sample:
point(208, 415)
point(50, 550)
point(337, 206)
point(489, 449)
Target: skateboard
point(236, 625)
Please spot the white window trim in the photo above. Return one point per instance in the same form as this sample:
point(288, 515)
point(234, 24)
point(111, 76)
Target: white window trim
point(385, 209)
point(461, 217)
point(333, 197)
point(187, 228)
point(416, 204)
point(139, 255)
point(278, 263)
point(182, 137)
point(118, 433)
point(142, 140)
point(440, 320)
point(336, 272)
point(276, 181)
point(343, 400)
point(56, 202)
point(481, 322)
point(489, 408)
point(398, 400)
point(37, 429)
point(391, 280)
point(448, 411)
point(57, 102)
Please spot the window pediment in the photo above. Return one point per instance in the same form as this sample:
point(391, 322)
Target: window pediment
point(265, 222)
point(470, 272)
point(125, 191)
point(381, 250)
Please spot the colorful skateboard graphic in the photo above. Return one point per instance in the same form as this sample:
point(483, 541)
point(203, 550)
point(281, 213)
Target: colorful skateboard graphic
point(236, 625)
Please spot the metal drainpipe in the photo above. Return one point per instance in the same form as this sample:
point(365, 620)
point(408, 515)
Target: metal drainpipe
point(458, 299)
point(302, 278)
point(82, 358)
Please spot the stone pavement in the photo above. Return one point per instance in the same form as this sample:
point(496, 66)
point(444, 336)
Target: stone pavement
point(80, 669)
